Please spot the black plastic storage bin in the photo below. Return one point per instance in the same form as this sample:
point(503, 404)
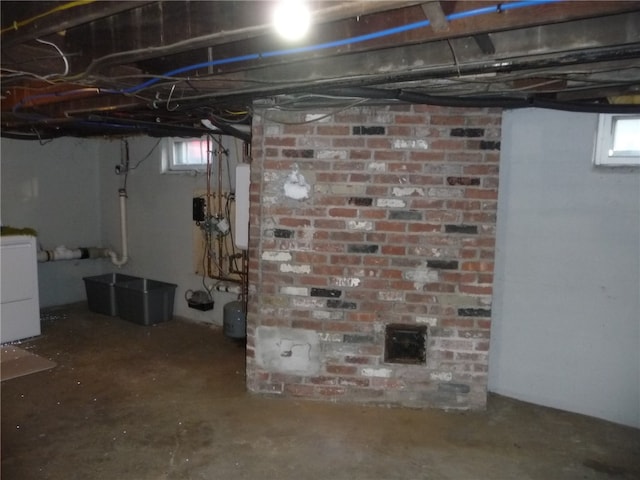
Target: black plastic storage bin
point(145, 301)
point(101, 292)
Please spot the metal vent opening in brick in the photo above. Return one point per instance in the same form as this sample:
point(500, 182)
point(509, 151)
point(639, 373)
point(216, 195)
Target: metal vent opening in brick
point(405, 344)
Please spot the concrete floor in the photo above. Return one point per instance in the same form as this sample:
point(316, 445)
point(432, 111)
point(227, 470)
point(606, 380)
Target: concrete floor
point(169, 402)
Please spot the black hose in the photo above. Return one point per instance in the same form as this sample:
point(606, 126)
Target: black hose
point(30, 136)
point(480, 102)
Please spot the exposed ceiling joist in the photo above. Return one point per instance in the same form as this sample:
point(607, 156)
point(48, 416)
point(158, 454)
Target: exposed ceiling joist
point(174, 63)
point(435, 14)
point(43, 26)
point(516, 50)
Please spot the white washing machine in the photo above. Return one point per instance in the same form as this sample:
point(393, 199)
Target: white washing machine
point(20, 315)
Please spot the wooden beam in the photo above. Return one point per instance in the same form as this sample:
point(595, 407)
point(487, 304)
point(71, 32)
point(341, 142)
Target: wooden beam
point(495, 23)
point(578, 42)
point(67, 19)
point(433, 11)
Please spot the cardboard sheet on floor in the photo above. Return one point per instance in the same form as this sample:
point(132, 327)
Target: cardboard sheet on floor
point(17, 362)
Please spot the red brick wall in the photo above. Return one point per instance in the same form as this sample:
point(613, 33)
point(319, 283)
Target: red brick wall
point(369, 217)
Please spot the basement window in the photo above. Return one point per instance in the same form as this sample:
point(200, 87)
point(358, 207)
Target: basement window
point(181, 155)
point(618, 140)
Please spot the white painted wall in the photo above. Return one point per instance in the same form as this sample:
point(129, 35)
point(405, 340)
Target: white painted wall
point(566, 313)
point(68, 191)
point(54, 188)
point(160, 226)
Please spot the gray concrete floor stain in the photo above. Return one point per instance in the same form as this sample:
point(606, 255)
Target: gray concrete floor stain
point(169, 402)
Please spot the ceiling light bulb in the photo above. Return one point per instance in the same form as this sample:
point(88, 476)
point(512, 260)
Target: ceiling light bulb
point(291, 19)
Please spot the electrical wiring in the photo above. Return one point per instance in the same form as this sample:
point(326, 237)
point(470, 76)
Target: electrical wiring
point(40, 140)
point(322, 46)
point(27, 136)
point(139, 162)
point(65, 6)
point(115, 82)
point(244, 118)
point(124, 160)
point(165, 81)
point(472, 91)
point(33, 59)
point(229, 172)
point(208, 254)
point(566, 74)
point(65, 93)
point(94, 110)
point(311, 96)
point(230, 116)
point(487, 102)
point(132, 55)
point(475, 69)
point(176, 75)
point(316, 119)
point(125, 145)
point(226, 250)
point(213, 123)
point(206, 288)
point(19, 74)
point(38, 117)
point(211, 137)
point(170, 80)
point(64, 58)
point(78, 91)
point(232, 254)
point(542, 77)
point(207, 233)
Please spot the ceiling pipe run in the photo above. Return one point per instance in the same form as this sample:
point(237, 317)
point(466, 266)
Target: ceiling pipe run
point(337, 11)
point(344, 42)
point(479, 102)
point(213, 124)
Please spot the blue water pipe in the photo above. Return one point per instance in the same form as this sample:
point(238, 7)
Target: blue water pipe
point(338, 43)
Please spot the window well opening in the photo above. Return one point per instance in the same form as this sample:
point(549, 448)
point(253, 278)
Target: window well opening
point(405, 344)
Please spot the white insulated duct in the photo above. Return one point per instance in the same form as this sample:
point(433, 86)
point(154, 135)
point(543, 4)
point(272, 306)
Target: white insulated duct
point(118, 262)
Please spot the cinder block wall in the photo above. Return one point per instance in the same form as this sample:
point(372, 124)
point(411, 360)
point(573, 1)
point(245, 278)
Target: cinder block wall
point(369, 217)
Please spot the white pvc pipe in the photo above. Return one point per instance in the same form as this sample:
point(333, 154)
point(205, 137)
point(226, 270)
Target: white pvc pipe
point(60, 253)
point(228, 288)
point(64, 253)
point(118, 262)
